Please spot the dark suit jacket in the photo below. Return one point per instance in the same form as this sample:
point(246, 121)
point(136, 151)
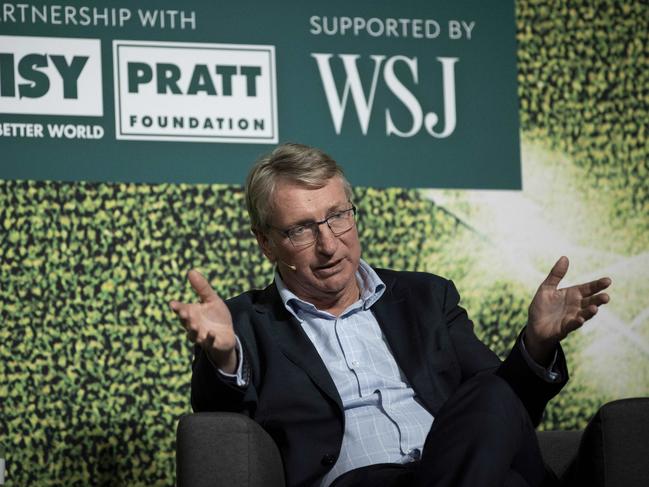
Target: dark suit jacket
point(291, 394)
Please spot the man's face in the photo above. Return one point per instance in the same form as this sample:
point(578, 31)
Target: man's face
point(324, 270)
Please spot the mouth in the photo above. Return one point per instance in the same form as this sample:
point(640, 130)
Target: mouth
point(329, 268)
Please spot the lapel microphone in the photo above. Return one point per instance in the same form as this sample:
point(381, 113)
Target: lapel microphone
point(292, 267)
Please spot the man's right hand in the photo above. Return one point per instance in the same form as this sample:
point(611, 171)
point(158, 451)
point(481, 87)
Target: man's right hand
point(209, 323)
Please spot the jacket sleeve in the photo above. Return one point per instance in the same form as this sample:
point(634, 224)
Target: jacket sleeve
point(211, 390)
point(533, 390)
point(475, 357)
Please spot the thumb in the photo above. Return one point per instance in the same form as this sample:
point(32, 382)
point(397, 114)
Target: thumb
point(201, 286)
point(558, 271)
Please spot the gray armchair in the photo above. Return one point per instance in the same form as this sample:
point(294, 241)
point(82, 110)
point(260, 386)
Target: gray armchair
point(227, 449)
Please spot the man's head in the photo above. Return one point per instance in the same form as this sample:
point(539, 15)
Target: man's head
point(299, 186)
point(300, 164)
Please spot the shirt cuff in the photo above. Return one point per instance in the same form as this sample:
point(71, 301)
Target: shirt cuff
point(550, 373)
point(238, 375)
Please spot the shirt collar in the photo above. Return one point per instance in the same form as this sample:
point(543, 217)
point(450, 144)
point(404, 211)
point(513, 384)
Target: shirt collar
point(370, 284)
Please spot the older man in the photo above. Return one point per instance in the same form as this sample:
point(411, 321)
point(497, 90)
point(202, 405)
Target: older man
point(370, 377)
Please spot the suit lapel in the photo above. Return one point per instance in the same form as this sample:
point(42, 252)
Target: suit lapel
point(294, 342)
point(399, 320)
point(399, 323)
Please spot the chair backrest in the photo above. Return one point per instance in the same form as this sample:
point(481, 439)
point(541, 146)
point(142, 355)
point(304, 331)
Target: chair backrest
point(614, 449)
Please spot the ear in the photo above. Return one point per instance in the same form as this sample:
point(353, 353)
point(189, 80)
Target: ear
point(266, 245)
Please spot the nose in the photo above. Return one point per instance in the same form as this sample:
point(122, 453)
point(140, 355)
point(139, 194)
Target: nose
point(327, 242)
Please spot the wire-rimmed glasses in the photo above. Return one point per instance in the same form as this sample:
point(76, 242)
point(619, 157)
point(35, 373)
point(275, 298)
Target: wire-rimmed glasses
point(307, 233)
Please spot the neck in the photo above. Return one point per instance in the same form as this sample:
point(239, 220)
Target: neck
point(334, 303)
point(338, 304)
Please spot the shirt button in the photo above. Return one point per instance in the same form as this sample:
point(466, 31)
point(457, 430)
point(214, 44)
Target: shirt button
point(415, 453)
point(328, 460)
point(355, 363)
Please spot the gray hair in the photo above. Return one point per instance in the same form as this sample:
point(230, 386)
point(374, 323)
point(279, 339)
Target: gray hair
point(300, 164)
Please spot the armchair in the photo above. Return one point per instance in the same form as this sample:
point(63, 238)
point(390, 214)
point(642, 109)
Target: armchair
point(228, 449)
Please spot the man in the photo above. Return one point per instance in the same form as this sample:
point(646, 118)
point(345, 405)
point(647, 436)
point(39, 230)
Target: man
point(371, 377)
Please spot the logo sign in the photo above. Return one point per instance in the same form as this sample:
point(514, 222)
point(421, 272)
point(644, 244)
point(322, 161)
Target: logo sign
point(50, 76)
point(416, 95)
point(363, 102)
point(195, 92)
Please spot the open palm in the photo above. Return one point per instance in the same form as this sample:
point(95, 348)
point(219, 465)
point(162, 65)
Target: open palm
point(554, 313)
point(209, 322)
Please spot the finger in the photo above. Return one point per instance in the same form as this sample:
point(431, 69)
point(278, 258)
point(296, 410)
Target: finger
point(593, 287)
point(597, 300)
point(208, 341)
point(183, 313)
point(588, 313)
point(192, 335)
point(201, 286)
point(180, 309)
point(573, 324)
point(558, 271)
point(200, 336)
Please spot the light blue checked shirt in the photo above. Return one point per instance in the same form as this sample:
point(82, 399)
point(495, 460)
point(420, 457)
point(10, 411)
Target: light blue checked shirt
point(383, 420)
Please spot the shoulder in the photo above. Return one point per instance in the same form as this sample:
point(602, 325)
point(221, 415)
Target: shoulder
point(254, 299)
point(246, 299)
point(411, 279)
point(420, 288)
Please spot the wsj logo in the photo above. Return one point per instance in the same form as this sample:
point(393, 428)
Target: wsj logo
point(363, 100)
point(50, 76)
point(195, 92)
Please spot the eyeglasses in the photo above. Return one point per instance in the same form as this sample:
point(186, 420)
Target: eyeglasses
point(307, 233)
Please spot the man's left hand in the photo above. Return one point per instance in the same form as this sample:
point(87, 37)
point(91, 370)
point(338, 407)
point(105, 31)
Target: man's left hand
point(554, 313)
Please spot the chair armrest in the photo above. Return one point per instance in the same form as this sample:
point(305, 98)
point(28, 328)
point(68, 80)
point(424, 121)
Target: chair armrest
point(225, 449)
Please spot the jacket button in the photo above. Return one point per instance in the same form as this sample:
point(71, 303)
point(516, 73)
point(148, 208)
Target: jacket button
point(328, 460)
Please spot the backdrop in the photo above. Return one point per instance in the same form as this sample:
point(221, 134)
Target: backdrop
point(95, 370)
